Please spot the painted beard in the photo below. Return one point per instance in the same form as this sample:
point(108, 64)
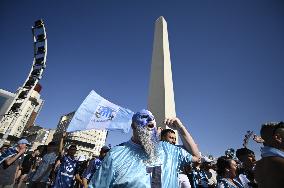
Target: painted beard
point(149, 140)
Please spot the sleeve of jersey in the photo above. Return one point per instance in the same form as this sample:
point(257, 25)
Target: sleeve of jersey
point(104, 176)
point(184, 157)
point(180, 156)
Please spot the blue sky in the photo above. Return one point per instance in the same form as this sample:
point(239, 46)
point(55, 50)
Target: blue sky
point(227, 60)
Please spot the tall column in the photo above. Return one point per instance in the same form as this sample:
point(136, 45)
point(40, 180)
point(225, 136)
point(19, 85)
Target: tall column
point(161, 100)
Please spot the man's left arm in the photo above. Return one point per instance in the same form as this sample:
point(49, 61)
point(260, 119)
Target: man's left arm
point(187, 140)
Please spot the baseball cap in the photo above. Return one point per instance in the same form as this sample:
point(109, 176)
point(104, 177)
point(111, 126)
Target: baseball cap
point(105, 149)
point(24, 141)
point(143, 117)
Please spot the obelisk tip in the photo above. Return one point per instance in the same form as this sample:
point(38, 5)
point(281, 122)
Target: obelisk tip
point(161, 19)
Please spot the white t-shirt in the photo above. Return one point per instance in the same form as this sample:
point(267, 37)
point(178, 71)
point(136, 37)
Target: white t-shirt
point(183, 181)
point(244, 180)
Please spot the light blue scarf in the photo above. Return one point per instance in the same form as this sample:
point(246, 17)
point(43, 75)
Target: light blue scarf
point(271, 152)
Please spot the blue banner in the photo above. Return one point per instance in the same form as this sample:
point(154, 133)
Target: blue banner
point(98, 113)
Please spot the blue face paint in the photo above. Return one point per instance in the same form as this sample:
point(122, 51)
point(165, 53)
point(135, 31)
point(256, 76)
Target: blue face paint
point(143, 118)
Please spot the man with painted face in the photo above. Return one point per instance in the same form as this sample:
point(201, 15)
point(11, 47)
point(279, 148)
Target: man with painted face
point(144, 161)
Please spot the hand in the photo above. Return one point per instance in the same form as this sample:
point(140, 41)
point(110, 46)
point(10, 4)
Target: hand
point(196, 159)
point(159, 130)
point(257, 139)
point(173, 123)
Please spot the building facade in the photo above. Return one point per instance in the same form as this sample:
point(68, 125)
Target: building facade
point(37, 136)
point(6, 99)
point(16, 123)
point(89, 142)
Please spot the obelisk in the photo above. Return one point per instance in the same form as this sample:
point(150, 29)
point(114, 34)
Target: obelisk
point(161, 100)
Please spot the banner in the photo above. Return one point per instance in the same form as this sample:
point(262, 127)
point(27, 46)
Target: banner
point(98, 113)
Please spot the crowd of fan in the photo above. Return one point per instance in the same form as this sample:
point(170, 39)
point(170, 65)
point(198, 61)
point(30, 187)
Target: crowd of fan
point(46, 166)
point(51, 167)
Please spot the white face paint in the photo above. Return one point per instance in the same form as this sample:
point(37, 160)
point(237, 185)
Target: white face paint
point(149, 139)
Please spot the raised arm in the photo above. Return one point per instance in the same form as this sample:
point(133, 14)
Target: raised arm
point(186, 138)
point(10, 160)
point(61, 144)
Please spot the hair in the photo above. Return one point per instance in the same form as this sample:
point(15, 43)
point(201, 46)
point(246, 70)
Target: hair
point(72, 146)
point(165, 132)
point(52, 144)
point(269, 129)
point(42, 149)
point(223, 163)
point(243, 151)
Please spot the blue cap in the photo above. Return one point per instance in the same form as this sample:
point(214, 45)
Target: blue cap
point(24, 141)
point(143, 117)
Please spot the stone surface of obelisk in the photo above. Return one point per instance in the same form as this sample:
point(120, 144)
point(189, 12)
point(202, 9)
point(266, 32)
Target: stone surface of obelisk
point(161, 100)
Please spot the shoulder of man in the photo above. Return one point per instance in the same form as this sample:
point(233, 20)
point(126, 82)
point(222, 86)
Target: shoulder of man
point(116, 151)
point(269, 171)
point(270, 161)
point(168, 146)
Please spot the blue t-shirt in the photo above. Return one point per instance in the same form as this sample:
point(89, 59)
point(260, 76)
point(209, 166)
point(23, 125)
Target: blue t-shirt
point(66, 173)
point(125, 166)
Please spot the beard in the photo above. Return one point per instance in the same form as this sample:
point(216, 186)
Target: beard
point(149, 141)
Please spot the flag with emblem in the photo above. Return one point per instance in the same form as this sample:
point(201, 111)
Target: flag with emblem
point(98, 113)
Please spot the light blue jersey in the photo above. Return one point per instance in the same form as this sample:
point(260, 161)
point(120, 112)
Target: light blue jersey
point(125, 167)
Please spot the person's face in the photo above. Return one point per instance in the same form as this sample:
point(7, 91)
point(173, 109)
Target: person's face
point(103, 154)
point(207, 165)
point(146, 135)
point(146, 120)
point(22, 146)
point(72, 151)
point(279, 138)
point(248, 161)
point(171, 138)
point(232, 171)
point(37, 152)
point(148, 128)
